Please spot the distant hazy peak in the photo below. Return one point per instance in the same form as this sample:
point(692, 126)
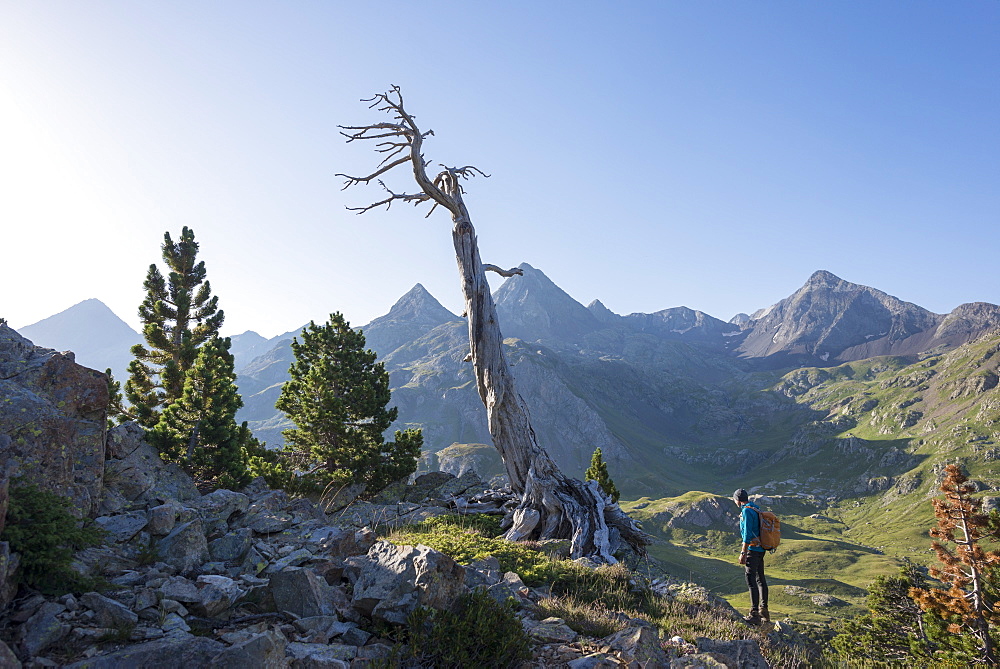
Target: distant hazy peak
point(601, 312)
point(418, 299)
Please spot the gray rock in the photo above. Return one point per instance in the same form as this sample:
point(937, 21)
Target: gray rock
point(302, 592)
point(595, 661)
point(232, 547)
point(162, 519)
point(42, 629)
point(178, 652)
point(185, 548)
point(320, 656)
point(180, 589)
point(263, 651)
point(702, 661)
point(266, 521)
point(745, 653)
point(317, 624)
point(294, 559)
point(9, 562)
point(7, 657)
point(216, 595)
point(550, 630)
point(218, 506)
point(343, 497)
point(396, 579)
point(137, 471)
point(108, 612)
point(145, 599)
point(355, 636)
point(175, 625)
point(105, 560)
point(53, 418)
point(340, 542)
point(639, 644)
point(122, 527)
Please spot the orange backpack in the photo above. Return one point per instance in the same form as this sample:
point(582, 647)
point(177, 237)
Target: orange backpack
point(770, 531)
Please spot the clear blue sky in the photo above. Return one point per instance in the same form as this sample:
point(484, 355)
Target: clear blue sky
point(649, 154)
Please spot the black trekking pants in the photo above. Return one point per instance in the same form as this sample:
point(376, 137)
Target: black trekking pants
point(755, 579)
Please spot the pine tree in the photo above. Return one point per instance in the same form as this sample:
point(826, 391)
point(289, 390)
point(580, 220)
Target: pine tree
point(179, 314)
point(337, 397)
point(893, 629)
point(968, 605)
point(199, 429)
point(598, 471)
point(117, 412)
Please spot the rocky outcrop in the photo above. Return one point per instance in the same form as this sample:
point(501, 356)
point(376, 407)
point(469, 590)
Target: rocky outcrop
point(53, 416)
point(253, 578)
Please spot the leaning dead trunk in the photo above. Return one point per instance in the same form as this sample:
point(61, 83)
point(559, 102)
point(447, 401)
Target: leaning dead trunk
point(552, 505)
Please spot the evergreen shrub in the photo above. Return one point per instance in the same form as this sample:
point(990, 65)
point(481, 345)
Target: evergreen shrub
point(42, 530)
point(479, 632)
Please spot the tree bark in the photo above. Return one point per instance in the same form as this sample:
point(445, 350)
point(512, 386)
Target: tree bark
point(552, 505)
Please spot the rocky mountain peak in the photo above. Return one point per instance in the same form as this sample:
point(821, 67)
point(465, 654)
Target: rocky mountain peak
point(413, 315)
point(532, 307)
point(824, 278)
point(602, 313)
point(418, 306)
point(830, 319)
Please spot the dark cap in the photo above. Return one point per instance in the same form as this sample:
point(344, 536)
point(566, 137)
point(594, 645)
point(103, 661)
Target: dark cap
point(741, 496)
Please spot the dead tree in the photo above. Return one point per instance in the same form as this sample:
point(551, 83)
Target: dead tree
point(552, 505)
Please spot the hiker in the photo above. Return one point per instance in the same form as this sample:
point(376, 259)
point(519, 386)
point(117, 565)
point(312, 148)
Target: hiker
point(752, 557)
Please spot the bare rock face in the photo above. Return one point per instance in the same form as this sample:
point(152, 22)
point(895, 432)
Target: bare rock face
point(50, 400)
point(395, 580)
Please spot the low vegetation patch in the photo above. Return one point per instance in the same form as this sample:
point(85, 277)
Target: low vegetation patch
point(594, 602)
point(480, 632)
point(42, 530)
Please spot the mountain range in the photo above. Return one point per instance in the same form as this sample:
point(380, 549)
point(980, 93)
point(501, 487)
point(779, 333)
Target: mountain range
point(672, 397)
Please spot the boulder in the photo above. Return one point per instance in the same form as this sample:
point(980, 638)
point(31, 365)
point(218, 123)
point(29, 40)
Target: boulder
point(394, 580)
point(170, 652)
point(320, 656)
point(180, 589)
point(42, 629)
point(301, 592)
point(7, 657)
point(550, 630)
point(161, 519)
point(218, 506)
point(185, 548)
point(263, 651)
point(49, 399)
point(122, 527)
point(136, 471)
point(232, 547)
point(638, 644)
point(107, 612)
point(9, 562)
point(743, 653)
point(216, 594)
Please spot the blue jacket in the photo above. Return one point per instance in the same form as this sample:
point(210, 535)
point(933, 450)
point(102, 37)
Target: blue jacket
point(750, 524)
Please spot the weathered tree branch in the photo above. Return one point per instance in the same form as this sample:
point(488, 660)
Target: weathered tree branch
point(506, 273)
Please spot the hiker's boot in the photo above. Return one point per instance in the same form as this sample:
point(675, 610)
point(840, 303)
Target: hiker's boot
point(753, 618)
point(765, 614)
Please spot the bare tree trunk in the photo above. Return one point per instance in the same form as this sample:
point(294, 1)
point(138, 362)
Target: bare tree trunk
point(552, 505)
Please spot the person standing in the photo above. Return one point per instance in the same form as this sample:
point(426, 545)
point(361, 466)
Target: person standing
point(752, 557)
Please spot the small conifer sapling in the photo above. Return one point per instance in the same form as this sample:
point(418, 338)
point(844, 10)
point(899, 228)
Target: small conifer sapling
point(598, 471)
point(966, 603)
